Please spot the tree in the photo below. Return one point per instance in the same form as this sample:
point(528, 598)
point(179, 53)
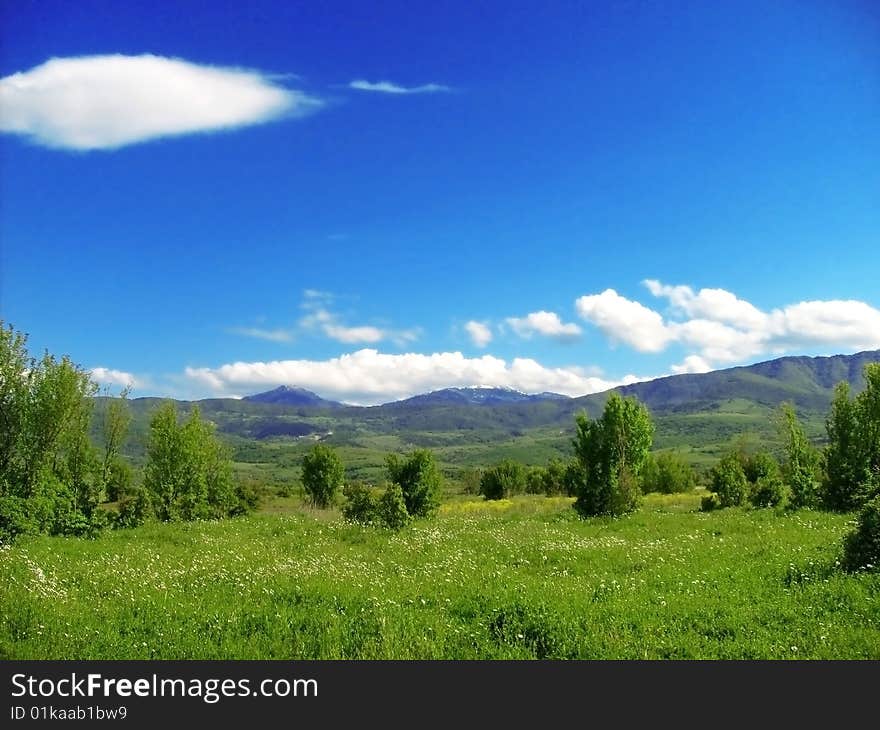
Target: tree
point(667, 473)
point(46, 468)
point(554, 477)
point(391, 508)
point(420, 481)
point(115, 420)
point(536, 479)
point(800, 468)
point(188, 473)
point(728, 481)
point(612, 451)
point(503, 480)
point(861, 547)
point(852, 457)
point(766, 487)
point(322, 475)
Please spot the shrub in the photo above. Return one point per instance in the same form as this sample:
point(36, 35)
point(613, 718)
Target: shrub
point(667, 473)
point(470, 480)
point(247, 497)
point(612, 451)
point(710, 502)
point(554, 478)
point(768, 491)
point(419, 479)
point(391, 508)
point(503, 480)
point(322, 475)
point(861, 548)
point(574, 477)
point(188, 473)
point(728, 481)
point(535, 480)
point(766, 486)
point(361, 503)
point(801, 467)
point(119, 479)
point(135, 508)
point(15, 518)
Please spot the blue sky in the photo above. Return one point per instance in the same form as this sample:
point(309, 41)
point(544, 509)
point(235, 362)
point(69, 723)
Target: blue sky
point(372, 200)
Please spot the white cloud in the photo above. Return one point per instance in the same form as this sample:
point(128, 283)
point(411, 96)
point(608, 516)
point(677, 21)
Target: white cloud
point(353, 335)
point(624, 320)
point(104, 102)
point(479, 332)
point(369, 377)
point(692, 364)
point(389, 87)
point(320, 318)
point(718, 328)
point(847, 323)
point(108, 376)
point(714, 304)
point(276, 335)
point(544, 323)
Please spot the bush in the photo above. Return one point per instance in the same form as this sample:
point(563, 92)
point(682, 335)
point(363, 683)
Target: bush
point(361, 503)
point(503, 480)
point(391, 508)
point(861, 548)
point(554, 478)
point(766, 485)
point(135, 508)
point(710, 502)
point(728, 481)
point(322, 475)
point(574, 476)
point(612, 451)
point(247, 497)
point(470, 480)
point(667, 473)
point(769, 491)
point(119, 479)
point(535, 480)
point(419, 479)
point(15, 518)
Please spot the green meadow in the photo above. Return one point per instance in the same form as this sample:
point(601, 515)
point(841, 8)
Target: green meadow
point(507, 579)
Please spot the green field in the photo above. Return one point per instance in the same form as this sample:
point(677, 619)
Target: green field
point(510, 579)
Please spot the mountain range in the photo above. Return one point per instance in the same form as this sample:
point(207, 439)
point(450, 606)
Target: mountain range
point(698, 414)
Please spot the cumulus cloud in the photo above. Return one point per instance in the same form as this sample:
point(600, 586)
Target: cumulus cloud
point(719, 328)
point(105, 102)
point(108, 376)
point(389, 87)
point(624, 320)
point(691, 364)
point(479, 333)
point(544, 323)
point(714, 304)
point(370, 377)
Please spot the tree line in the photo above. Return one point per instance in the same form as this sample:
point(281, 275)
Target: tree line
point(55, 476)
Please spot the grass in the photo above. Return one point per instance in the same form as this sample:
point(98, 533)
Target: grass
point(521, 578)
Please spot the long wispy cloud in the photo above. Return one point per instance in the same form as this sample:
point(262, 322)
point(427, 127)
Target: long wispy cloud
point(270, 335)
point(389, 87)
point(109, 101)
point(718, 328)
point(368, 376)
point(320, 318)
